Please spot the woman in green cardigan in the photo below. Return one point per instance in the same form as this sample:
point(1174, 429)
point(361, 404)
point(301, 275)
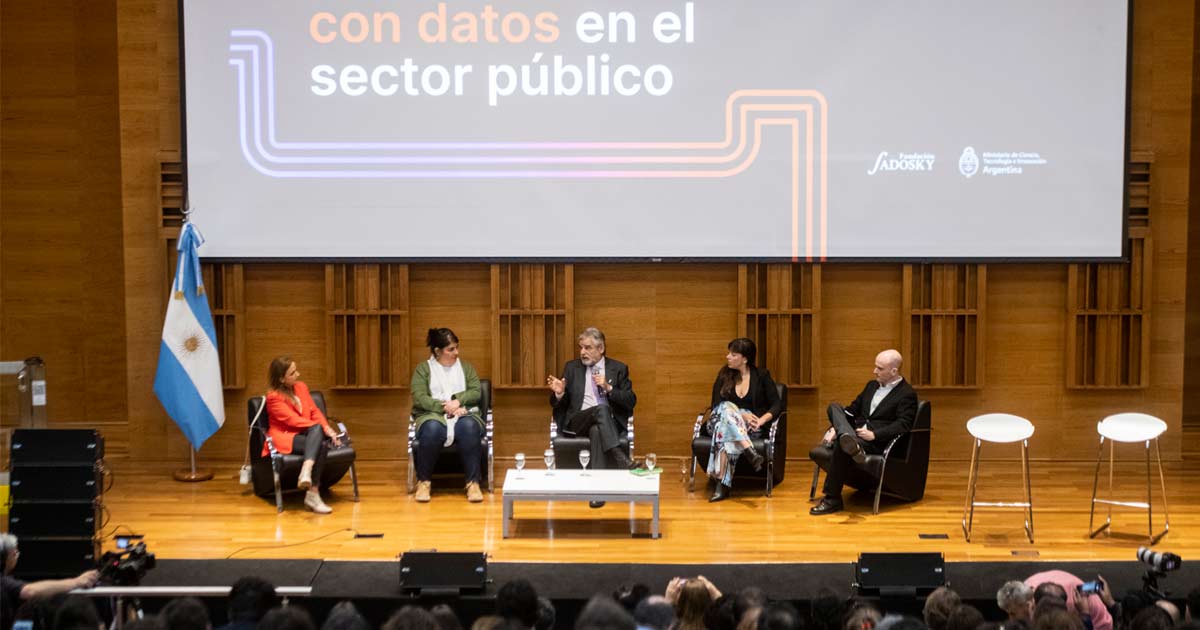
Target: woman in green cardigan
point(445, 394)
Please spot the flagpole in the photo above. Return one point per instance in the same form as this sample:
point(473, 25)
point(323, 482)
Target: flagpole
point(193, 474)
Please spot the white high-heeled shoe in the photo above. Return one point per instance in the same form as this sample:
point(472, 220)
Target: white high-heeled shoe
point(312, 501)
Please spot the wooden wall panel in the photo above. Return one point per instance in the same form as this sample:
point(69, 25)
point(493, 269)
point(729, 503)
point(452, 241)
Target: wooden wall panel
point(89, 112)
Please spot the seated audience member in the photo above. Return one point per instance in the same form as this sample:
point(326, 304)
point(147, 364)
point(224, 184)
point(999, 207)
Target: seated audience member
point(1152, 618)
point(938, 607)
point(13, 591)
point(411, 618)
point(1015, 599)
point(747, 606)
point(719, 615)
point(862, 616)
point(629, 595)
point(827, 609)
point(654, 613)
point(77, 612)
point(780, 616)
point(883, 411)
point(1171, 609)
point(445, 407)
point(900, 622)
point(964, 617)
point(546, 614)
point(517, 602)
point(744, 403)
point(1068, 586)
point(185, 613)
point(692, 598)
point(1055, 617)
point(1191, 611)
point(344, 616)
point(602, 613)
point(296, 425)
point(595, 398)
point(149, 622)
point(286, 618)
point(491, 622)
point(446, 617)
point(249, 600)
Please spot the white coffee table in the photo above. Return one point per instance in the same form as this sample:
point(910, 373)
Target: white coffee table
point(579, 485)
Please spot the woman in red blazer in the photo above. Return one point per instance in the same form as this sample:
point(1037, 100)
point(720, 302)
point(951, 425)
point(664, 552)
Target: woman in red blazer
point(298, 426)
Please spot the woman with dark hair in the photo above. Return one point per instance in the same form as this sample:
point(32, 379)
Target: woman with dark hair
point(296, 425)
point(744, 403)
point(445, 398)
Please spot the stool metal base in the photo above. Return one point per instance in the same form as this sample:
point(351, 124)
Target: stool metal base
point(1152, 537)
point(973, 479)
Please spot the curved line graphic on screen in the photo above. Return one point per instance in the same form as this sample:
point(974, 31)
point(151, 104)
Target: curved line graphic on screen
point(783, 108)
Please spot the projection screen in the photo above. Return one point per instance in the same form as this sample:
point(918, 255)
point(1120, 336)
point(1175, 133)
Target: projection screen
point(656, 129)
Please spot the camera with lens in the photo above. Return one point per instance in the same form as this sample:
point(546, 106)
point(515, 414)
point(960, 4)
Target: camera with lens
point(1160, 563)
point(125, 568)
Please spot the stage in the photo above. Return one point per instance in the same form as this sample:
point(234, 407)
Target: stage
point(220, 519)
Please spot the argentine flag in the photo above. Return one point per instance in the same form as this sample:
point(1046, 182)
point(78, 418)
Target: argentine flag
point(188, 382)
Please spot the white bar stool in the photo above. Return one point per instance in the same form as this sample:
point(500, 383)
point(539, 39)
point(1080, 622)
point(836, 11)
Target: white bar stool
point(1130, 428)
point(1002, 428)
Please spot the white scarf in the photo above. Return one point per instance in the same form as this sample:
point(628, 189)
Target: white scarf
point(443, 385)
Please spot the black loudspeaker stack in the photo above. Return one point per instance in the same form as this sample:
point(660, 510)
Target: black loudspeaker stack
point(56, 490)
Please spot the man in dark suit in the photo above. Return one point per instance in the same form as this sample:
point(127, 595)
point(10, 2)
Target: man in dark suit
point(595, 398)
point(883, 411)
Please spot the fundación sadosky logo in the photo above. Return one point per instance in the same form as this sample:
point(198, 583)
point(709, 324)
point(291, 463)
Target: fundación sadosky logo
point(908, 162)
point(968, 162)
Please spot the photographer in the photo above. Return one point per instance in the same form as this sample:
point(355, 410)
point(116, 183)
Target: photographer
point(14, 591)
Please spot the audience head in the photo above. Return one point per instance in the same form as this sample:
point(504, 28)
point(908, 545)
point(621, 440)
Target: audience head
point(518, 601)
point(602, 613)
point(442, 340)
point(491, 622)
point(887, 366)
point(591, 346)
point(694, 600)
point(938, 606)
point(719, 615)
point(827, 610)
point(1049, 589)
point(446, 617)
point(149, 622)
point(546, 614)
point(863, 616)
point(1133, 603)
point(1015, 598)
point(8, 553)
point(630, 595)
point(654, 613)
point(411, 618)
point(780, 616)
point(964, 617)
point(76, 612)
point(185, 613)
point(1171, 610)
point(900, 622)
point(345, 616)
point(285, 618)
point(1152, 618)
point(747, 606)
point(1192, 609)
point(250, 598)
point(283, 374)
point(1049, 615)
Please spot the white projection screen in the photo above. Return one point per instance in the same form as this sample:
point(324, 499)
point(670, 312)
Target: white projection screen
point(657, 129)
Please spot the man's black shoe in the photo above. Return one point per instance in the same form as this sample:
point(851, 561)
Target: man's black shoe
point(721, 493)
point(595, 504)
point(852, 448)
point(622, 460)
point(826, 506)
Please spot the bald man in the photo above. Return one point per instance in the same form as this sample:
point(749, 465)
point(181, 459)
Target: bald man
point(883, 411)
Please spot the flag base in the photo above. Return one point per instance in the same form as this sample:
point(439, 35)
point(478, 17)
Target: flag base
point(190, 475)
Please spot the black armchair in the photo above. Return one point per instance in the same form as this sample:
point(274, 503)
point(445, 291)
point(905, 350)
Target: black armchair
point(277, 472)
point(773, 446)
point(566, 447)
point(448, 461)
point(899, 472)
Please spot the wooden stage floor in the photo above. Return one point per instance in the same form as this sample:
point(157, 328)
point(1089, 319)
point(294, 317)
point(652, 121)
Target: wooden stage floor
point(221, 519)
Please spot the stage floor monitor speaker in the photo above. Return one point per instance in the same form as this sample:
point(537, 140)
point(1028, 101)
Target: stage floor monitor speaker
point(443, 571)
point(42, 447)
point(899, 574)
point(53, 558)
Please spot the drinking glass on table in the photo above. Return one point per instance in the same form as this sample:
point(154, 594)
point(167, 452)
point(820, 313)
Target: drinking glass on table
point(520, 457)
point(585, 456)
point(651, 460)
point(548, 457)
